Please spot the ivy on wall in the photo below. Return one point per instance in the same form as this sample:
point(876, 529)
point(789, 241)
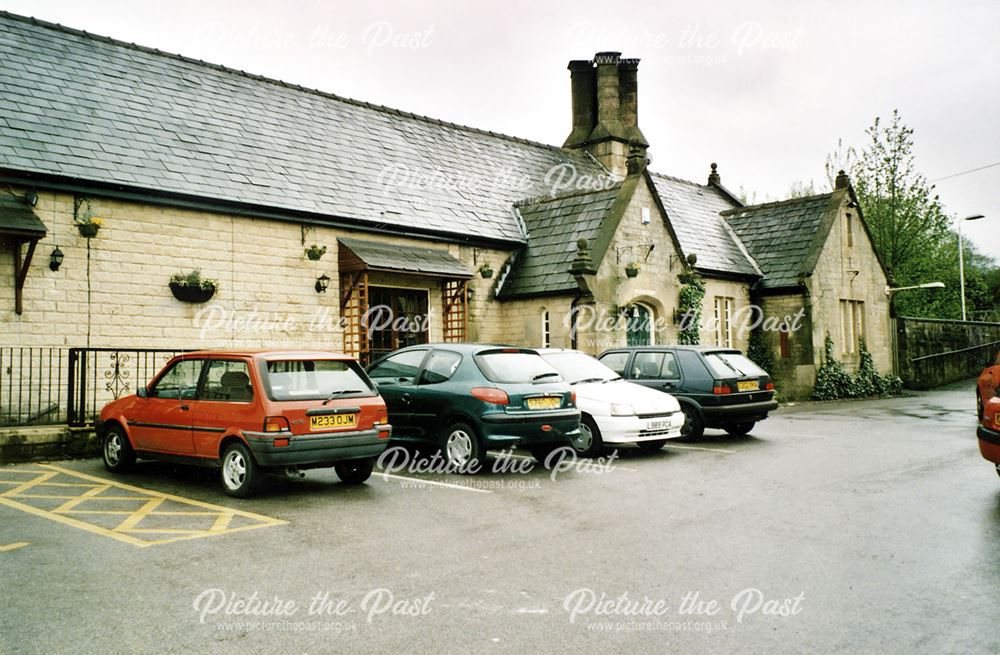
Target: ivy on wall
point(689, 307)
point(833, 382)
point(758, 352)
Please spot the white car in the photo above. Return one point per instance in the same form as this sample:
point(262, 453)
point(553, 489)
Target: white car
point(615, 411)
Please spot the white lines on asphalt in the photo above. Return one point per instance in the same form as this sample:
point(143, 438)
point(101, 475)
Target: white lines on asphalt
point(617, 467)
point(416, 481)
point(711, 450)
point(529, 610)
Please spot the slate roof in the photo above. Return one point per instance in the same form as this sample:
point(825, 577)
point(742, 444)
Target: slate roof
point(554, 226)
point(693, 210)
point(90, 108)
point(781, 236)
point(395, 257)
point(18, 219)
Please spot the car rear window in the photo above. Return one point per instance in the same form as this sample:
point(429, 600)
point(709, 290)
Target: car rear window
point(516, 366)
point(314, 379)
point(729, 365)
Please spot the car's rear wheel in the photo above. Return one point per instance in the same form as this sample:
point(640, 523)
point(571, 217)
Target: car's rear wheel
point(240, 473)
point(117, 451)
point(740, 429)
point(354, 471)
point(694, 425)
point(998, 469)
point(461, 448)
point(980, 409)
point(650, 446)
point(589, 442)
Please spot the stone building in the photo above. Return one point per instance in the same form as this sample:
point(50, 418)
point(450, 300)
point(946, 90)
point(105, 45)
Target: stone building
point(424, 230)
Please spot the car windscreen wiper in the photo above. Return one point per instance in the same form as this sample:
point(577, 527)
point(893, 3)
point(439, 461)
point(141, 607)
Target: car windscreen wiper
point(586, 380)
point(341, 392)
point(544, 375)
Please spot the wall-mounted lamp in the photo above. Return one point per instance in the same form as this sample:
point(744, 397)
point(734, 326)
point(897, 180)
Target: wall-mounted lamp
point(56, 259)
point(31, 198)
point(322, 283)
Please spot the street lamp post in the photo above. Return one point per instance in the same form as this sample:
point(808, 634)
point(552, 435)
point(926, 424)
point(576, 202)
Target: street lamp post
point(961, 258)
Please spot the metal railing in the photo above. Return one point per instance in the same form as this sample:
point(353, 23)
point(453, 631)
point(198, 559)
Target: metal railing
point(32, 386)
point(96, 376)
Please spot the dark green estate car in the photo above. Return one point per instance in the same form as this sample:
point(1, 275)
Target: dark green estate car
point(469, 398)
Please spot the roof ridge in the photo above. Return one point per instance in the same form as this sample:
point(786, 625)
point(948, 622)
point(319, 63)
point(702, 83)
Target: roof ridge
point(678, 179)
point(270, 80)
point(538, 200)
point(774, 203)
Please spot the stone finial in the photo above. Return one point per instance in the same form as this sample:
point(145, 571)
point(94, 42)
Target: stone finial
point(714, 177)
point(636, 161)
point(842, 181)
point(582, 263)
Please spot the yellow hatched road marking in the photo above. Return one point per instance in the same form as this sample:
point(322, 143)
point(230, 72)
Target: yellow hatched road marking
point(129, 529)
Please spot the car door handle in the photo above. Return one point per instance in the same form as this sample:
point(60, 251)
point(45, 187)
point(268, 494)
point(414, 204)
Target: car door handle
point(184, 408)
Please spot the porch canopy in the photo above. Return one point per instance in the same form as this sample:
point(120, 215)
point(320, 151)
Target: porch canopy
point(19, 225)
point(361, 254)
point(359, 257)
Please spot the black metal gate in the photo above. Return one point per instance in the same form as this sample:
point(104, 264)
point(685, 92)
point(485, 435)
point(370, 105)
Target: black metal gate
point(97, 376)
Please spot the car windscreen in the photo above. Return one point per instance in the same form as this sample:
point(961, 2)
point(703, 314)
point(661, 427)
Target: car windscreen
point(516, 366)
point(577, 367)
point(730, 365)
point(315, 379)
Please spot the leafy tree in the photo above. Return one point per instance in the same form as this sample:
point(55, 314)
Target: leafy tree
point(900, 207)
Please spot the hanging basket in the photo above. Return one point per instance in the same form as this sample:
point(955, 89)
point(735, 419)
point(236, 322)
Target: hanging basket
point(191, 293)
point(632, 271)
point(88, 230)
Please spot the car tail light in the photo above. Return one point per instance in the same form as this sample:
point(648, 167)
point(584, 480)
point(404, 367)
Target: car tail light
point(572, 396)
point(491, 395)
point(276, 424)
point(383, 427)
point(720, 388)
point(769, 386)
point(281, 443)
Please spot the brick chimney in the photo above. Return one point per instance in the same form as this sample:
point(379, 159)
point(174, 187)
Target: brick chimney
point(606, 110)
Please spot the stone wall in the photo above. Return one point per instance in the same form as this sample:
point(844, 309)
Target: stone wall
point(112, 290)
point(933, 352)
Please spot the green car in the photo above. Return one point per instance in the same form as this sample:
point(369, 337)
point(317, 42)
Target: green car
point(467, 399)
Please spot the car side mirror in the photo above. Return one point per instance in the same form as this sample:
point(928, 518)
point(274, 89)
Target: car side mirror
point(141, 392)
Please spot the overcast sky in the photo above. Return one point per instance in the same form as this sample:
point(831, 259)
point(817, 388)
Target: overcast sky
point(765, 90)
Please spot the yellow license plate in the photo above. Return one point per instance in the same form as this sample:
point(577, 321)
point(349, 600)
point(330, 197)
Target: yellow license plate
point(333, 421)
point(748, 385)
point(549, 402)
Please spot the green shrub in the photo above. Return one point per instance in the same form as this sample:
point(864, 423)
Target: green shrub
point(833, 382)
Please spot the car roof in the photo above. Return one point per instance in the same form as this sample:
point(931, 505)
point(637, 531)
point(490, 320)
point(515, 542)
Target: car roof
point(463, 347)
point(695, 348)
point(268, 354)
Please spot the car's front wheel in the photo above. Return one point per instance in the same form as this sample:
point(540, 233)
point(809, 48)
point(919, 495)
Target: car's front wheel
point(694, 425)
point(462, 450)
point(117, 451)
point(980, 409)
point(589, 441)
point(740, 429)
point(240, 473)
point(354, 471)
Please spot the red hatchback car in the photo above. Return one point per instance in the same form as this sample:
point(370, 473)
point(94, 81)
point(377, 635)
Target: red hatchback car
point(986, 386)
point(989, 432)
point(246, 413)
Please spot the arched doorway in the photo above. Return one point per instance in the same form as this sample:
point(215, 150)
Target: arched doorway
point(639, 325)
